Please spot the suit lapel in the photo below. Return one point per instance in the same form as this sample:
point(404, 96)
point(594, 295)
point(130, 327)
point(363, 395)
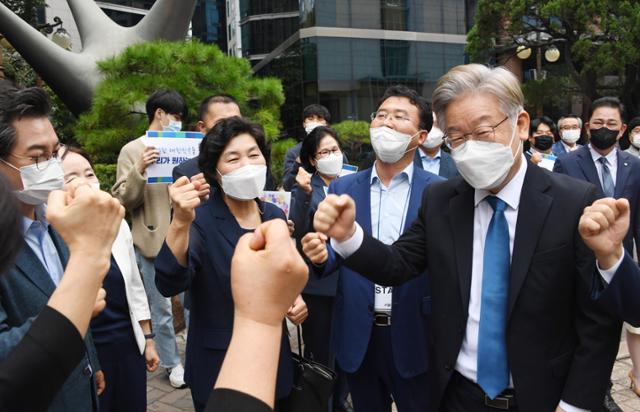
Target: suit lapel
point(29, 264)
point(228, 227)
point(417, 187)
point(622, 173)
point(61, 247)
point(362, 196)
point(461, 208)
point(533, 209)
point(588, 167)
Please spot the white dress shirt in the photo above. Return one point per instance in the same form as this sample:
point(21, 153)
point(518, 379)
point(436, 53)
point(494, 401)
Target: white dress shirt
point(467, 362)
point(568, 148)
point(612, 159)
point(388, 215)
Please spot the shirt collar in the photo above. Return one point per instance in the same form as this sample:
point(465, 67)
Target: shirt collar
point(423, 155)
point(40, 212)
point(510, 194)
point(406, 172)
point(611, 157)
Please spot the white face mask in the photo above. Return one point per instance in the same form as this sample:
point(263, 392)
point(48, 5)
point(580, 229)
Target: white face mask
point(39, 181)
point(484, 165)
point(245, 183)
point(330, 165)
point(571, 136)
point(635, 140)
point(389, 145)
point(434, 138)
point(312, 125)
point(173, 126)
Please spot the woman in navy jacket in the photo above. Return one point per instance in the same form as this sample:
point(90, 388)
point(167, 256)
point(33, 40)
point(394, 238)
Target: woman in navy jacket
point(199, 246)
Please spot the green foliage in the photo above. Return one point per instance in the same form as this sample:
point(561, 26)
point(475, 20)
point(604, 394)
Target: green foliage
point(354, 136)
point(106, 174)
point(17, 69)
point(194, 69)
point(26, 9)
point(596, 38)
point(278, 150)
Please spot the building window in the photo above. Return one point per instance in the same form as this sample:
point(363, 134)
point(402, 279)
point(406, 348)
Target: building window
point(394, 14)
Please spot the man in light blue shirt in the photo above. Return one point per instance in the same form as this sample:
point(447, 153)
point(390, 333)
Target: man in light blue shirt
point(36, 234)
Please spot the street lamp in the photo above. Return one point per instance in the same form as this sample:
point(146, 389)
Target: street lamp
point(61, 37)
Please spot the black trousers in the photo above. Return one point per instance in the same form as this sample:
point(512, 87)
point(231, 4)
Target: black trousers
point(125, 377)
point(459, 397)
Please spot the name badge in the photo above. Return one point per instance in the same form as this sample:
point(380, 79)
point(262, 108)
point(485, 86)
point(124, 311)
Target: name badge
point(383, 298)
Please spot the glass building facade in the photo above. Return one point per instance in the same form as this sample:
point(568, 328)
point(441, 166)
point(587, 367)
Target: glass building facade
point(347, 52)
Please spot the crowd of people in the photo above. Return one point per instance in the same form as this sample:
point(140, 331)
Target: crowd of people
point(453, 274)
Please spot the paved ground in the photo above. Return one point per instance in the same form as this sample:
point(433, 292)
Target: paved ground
point(161, 397)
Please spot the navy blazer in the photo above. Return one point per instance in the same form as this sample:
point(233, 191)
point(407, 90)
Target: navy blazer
point(303, 207)
point(354, 307)
point(579, 164)
point(558, 148)
point(448, 167)
point(621, 295)
point(212, 240)
point(24, 292)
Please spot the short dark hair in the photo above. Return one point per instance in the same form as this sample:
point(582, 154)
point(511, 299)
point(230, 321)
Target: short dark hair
point(16, 104)
point(424, 108)
point(216, 98)
point(310, 145)
point(11, 226)
point(607, 101)
point(77, 150)
point(170, 101)
point(316, 110)
point(214, 143)
point(535, 123)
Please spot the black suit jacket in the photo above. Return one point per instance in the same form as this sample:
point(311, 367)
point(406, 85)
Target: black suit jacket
point(561, 344)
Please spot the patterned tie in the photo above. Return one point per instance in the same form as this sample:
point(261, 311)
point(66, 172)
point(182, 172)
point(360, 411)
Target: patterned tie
point(493, 367)
point(608, 188)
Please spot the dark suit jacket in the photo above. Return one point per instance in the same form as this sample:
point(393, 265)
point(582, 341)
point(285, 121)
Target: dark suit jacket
point(354, 307)
point(448, 167)
point(290, 169)
point(579, 164)
point(190, 168)
point(303, 207)
point(212, 240)
point(621, 295)
point(24, 292)
point(561, 344)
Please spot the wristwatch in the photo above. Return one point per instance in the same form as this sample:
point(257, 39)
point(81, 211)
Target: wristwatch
point(150, 336)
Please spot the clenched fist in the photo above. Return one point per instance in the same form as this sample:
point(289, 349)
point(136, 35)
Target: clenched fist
point(314, 246)
point(303, 179)
point(603, 226)
point(185, 198)
point(336, 217)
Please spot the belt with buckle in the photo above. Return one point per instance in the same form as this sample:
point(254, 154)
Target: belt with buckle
point(382, 319)
point(505, 401)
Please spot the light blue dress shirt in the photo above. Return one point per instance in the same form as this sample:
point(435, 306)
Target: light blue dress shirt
point(36, 234)
point(389, 207)
point(430, 164)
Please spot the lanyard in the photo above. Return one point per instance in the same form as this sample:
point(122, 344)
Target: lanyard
point(404, 209)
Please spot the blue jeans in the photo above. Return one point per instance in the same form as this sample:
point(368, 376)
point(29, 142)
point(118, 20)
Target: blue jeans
point(161, 315)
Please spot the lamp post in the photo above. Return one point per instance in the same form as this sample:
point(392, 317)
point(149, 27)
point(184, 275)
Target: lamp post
point(551, 55)
point(61, 37)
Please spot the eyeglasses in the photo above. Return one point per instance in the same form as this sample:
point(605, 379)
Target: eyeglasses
point(572, 127)
point(381, 116)
point(453, 140)
point(597, 124)
point(327, 152)
point(41, 161)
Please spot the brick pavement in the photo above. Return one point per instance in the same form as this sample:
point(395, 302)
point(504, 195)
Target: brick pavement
point(161, 397)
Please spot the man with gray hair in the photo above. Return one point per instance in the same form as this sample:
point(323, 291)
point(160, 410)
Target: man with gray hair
point(569, 127)
point(513, 322)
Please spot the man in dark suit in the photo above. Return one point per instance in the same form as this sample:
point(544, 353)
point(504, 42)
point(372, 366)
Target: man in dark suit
point(513, 322)
point(569, 128)
point(380, 334)
point(28, 159)
point(615, 173)
point(432, 158)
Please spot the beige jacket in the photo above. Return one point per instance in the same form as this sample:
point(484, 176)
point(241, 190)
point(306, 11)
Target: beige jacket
point(148, 204)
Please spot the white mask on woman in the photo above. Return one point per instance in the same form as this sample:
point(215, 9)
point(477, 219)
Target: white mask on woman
point(245, 183)
point(330, 165)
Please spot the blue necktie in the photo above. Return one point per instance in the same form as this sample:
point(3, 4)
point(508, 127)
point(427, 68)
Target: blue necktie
point(608, 188)
point(493, 367)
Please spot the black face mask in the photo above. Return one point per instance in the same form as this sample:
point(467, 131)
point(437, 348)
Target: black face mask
point(543, 142)
point(603, 138)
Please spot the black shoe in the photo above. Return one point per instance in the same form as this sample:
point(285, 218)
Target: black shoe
point(609, 404)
